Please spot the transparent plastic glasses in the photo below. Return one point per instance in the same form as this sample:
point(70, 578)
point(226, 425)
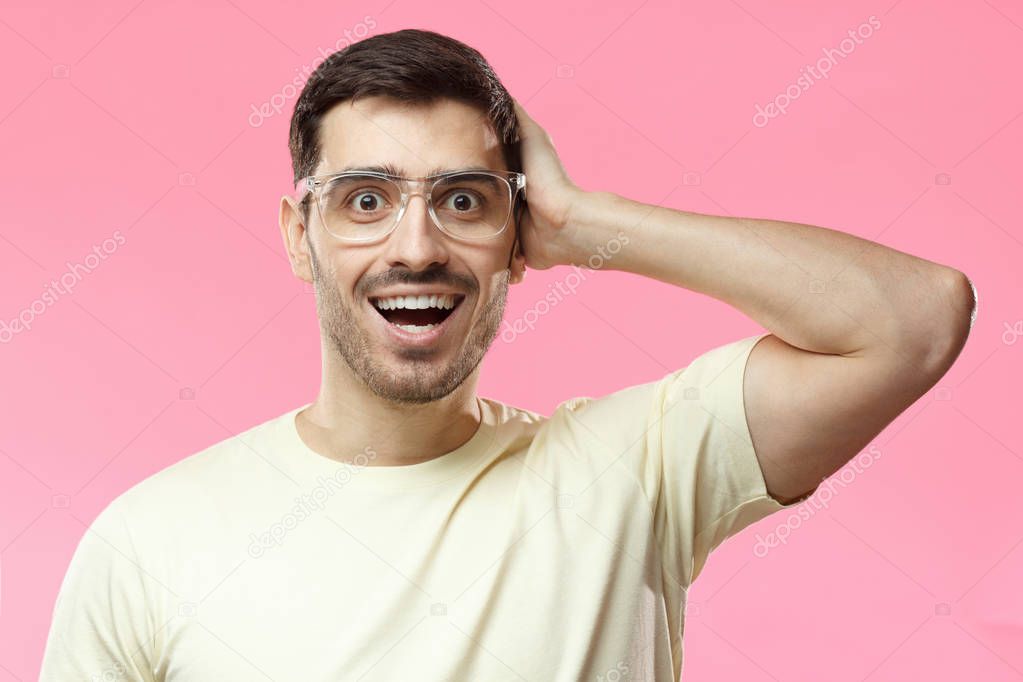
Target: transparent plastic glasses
point(365, 206)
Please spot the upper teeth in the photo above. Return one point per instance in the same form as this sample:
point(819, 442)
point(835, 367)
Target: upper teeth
point(442, 301)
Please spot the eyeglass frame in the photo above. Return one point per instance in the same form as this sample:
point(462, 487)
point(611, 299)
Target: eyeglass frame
point(313, 184)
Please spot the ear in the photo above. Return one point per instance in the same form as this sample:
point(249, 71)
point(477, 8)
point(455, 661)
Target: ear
point(295, 236)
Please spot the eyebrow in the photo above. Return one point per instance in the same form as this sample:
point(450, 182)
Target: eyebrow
point(392, 169)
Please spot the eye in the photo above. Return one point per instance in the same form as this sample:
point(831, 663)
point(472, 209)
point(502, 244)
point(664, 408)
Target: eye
point(367, 200)
point(462, 200)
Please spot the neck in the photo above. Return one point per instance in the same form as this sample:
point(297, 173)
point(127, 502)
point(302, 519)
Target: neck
point(347, 419)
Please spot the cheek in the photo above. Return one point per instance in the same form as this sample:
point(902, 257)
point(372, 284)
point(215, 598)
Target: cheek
point(497, 256)
point(490, 269)
point(495, 286)
point(347, 268)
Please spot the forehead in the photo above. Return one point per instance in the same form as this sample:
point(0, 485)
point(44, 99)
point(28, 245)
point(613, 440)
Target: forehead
point(417, 139)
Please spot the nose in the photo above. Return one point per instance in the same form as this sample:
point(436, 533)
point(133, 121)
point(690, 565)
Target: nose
point(416, 243)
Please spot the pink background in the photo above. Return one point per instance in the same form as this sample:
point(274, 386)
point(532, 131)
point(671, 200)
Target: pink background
point(136, 119)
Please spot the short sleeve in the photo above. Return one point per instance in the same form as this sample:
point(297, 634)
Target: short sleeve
point(711, 485)
point(101, 627)
point(682, 443)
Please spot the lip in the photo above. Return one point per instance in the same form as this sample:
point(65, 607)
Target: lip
point(410, 339)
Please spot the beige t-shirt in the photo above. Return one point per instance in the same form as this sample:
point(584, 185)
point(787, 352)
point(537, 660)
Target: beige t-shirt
point(542, 549)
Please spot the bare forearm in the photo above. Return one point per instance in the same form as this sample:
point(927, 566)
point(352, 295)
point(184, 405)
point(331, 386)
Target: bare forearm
point(815, 288)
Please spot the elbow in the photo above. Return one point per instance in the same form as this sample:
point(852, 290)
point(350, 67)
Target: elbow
point(955, 312)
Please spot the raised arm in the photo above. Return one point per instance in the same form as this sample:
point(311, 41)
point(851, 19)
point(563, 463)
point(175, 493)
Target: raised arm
point(859, 331)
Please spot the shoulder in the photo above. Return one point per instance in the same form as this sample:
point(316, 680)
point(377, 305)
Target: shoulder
point(636, 419)
point(202, 479)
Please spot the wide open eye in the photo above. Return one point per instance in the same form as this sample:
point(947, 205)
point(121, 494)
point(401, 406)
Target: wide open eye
point(366, 201)
point(462, 201)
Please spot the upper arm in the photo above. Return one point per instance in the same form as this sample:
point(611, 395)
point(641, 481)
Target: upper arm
point(809, 413)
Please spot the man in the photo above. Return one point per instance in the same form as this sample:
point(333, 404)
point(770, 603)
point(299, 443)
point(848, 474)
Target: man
point(400, 526)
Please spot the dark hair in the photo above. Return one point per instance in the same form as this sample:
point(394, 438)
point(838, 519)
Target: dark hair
point(413, 66)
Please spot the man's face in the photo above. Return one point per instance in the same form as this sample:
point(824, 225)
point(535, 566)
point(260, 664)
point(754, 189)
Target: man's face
point(352, 280)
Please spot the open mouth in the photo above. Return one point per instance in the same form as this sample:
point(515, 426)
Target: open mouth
point(416, 314)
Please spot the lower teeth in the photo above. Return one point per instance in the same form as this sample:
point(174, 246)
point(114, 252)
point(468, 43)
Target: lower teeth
point(415, 328)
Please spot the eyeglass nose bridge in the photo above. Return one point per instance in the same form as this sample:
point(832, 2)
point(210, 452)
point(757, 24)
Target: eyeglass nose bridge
point(423, 188)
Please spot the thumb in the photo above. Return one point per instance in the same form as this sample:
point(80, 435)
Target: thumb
point(528, 127)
